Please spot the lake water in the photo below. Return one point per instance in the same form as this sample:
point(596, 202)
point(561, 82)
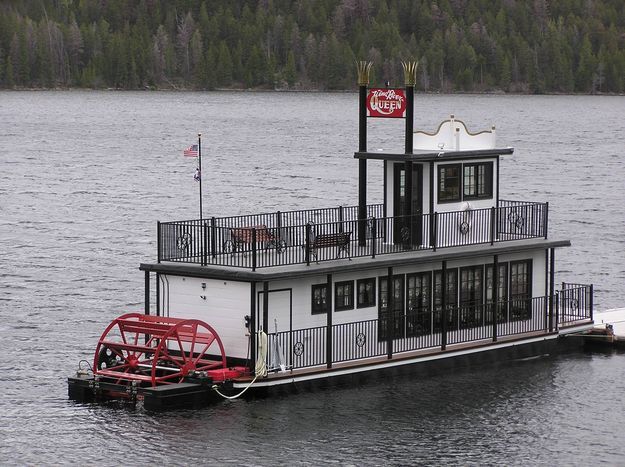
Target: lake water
point(84, 176)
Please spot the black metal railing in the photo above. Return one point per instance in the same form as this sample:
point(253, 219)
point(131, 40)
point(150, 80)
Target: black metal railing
point(425, 329)
point(302, 237)
point(575, 302)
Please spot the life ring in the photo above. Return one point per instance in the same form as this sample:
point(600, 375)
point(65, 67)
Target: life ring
point(465, 216)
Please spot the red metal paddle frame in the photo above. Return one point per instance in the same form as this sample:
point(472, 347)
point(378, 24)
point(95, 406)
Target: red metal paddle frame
point(155, 350)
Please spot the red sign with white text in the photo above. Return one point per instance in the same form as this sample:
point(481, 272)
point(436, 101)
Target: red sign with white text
point(386, 103)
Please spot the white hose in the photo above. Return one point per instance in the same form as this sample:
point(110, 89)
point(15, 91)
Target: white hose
point(260, 369)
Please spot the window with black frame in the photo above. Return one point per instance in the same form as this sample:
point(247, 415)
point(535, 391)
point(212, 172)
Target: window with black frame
point(449, 182)
point(502, 293)
point(520, 290)
point(471, 312)
point(366, 292)
point(319, 299)
point(418, 298)
point(451, 299)
point(391, 316)
point(478, 180)
point(344, 295)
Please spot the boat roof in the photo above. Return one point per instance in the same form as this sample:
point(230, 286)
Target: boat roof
point(429, 155)
point(345, 266)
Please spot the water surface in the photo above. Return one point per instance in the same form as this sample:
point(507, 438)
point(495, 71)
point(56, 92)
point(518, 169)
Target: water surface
point(84, 176)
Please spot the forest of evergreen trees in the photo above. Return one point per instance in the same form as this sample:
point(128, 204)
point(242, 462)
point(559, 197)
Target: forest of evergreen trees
point(462, 45)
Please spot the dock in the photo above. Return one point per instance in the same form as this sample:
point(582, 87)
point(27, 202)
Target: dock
point(609, 329)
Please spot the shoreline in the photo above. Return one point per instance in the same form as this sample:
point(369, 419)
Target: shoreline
point(309, 90)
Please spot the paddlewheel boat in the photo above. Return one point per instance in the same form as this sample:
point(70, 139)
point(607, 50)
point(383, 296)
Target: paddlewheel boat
point(444, 272)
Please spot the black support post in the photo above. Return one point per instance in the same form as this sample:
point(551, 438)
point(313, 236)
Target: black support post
point(362, 166)
point(546, 227)
point(493, 217)
point(390, 319)
point(408, 212)
point(205, 244)
point(213, 238)
point(329, 322)
point(159, 251)
point(254, 249)
point(158, 294)
point(552, 260)
point(434, 233)
point(146, 305)
point(307, 246)
point(252, 328)
point(444, 306)
point(495, 294)
point(265, 307)
point(547, 319)
point(374, 236)
point(409, 118)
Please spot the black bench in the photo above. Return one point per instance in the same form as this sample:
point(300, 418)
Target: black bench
point(338, 239)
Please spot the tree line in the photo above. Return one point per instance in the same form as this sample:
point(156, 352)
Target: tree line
point(529, 46)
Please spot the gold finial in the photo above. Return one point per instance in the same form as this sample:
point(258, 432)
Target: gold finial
point(410, 72)
point(363, 72)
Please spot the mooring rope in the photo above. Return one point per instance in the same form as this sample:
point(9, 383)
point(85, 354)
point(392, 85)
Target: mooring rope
point(260, 368)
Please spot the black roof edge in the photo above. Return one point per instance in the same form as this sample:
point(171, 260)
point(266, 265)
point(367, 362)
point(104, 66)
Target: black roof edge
point(427, 156)
point(358, 264)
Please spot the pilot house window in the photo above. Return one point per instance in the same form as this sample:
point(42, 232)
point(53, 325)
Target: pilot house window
point(449, 182)
point(457, 182)
point(478, 180)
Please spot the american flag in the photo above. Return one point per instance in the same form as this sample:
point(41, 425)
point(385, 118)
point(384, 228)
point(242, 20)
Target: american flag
point(191, 151)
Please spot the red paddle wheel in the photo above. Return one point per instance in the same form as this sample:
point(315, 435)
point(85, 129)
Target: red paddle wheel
point(155, 350)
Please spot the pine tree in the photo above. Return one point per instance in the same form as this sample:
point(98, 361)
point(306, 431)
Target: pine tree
point(506, 74)
point(290, 73)
point(585, 67)
point(224, 65)
point(9, 77)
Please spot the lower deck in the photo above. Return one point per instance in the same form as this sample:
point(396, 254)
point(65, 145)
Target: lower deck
point(527, 345)
point(370, 342)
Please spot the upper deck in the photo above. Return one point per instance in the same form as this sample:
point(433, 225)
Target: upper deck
point(329, 234)
point(442, 192)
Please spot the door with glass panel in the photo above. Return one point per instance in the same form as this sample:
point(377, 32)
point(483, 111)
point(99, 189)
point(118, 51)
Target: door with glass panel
point(407, 230)
point(391, 318)
point(418, 304)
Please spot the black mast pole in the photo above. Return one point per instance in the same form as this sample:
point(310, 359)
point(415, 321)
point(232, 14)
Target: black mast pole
point(363, 80)
point(410, 69)
point(199, 154)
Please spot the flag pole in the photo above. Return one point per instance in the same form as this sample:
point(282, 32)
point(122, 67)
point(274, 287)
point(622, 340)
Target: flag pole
point(199, 153)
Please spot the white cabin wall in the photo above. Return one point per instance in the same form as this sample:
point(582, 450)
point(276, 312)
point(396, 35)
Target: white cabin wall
point(225, 307)
point(357, 314)
point(302, 300)
point(425, 184)
point(279, 306)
